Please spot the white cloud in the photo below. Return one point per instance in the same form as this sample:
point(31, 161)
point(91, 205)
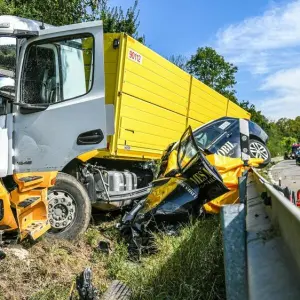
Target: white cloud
point(268, 46)
point(278, 27)
point(284, 81)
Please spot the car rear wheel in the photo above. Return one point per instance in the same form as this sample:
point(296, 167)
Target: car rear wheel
point(260, 150)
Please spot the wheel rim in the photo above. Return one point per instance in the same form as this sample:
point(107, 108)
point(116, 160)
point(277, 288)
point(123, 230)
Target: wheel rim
point(258, 151)
point(61, 210)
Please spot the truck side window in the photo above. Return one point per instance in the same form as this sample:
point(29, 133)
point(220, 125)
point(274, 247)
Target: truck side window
point(57, 70)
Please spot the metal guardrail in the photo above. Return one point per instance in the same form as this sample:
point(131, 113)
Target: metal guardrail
point(261, 244)
point(285, 216)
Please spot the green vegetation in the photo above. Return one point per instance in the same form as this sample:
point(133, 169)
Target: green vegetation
point(206, 64)
point(7, 57)
point(62, 12)
point(186, 267)
point(212, 69)
point(287, 143)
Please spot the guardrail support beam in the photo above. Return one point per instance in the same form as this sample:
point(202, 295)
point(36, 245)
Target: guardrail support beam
point(234, 243)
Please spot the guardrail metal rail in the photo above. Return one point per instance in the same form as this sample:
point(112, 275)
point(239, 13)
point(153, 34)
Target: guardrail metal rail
point(261, 238)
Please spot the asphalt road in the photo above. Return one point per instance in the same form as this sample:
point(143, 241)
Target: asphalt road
point(289, 173)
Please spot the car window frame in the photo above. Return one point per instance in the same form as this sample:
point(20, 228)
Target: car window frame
point(53, 40)
point(222, 131)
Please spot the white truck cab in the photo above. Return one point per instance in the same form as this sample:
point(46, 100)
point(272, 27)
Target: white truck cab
point(52, 108)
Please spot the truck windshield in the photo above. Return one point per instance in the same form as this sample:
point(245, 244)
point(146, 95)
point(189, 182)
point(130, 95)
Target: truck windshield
point(7, 63)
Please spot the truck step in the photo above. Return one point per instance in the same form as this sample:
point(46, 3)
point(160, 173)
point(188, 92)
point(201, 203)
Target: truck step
point(26, 183)
point(28, 202)
point(31, 178)
point(36, 228)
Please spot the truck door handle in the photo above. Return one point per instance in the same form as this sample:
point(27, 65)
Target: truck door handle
point(90, 137)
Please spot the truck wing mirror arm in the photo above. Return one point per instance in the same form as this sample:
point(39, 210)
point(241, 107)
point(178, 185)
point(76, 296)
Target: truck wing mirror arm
point(26, 108)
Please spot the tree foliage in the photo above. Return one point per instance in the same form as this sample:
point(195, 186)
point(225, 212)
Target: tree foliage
point(287, 143)
point(256, 115)
point(211, 68)
point(115, 20)
point(7, 57)
point(282, 133)
point(62, 12)
point(206, 64)
point(178, 60)
point(55, 12)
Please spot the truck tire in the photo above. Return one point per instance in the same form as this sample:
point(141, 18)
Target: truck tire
point(69, 208)
point(260, 150)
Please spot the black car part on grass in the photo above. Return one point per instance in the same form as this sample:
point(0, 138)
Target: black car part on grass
point(87, 291)
point(179, 194)
point(85, 287)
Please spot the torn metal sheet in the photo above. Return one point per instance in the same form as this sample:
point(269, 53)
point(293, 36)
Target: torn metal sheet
point(190, 180)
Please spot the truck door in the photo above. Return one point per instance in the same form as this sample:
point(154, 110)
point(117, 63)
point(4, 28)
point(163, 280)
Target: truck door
point(60, 97)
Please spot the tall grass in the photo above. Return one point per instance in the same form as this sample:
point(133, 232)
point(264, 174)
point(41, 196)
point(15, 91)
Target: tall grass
point(186, 267)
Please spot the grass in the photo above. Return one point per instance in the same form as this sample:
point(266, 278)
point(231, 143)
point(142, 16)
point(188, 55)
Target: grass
point(188, 266)
point(264, 171)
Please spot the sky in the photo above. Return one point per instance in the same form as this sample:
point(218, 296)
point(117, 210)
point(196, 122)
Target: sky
point(260, 37)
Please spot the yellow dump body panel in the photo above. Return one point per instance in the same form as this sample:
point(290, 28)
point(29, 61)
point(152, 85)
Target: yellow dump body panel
point(154, 100)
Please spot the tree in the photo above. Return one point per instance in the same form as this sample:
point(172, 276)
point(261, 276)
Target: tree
point(62, 12)
point(55, 12)
point(114, 20)
point(178, 60)
point(212, 69)
point(256, 115)
point(287, 143)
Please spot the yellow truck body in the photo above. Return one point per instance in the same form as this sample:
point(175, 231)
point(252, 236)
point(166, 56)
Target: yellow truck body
point(154, 100)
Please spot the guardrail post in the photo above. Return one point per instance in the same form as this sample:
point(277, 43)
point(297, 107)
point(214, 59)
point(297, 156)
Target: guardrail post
point(234, 242)
point(294, 197)
point(243, 187)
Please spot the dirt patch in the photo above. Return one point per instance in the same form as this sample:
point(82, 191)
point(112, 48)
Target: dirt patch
point(49, 269)
point(188, 266)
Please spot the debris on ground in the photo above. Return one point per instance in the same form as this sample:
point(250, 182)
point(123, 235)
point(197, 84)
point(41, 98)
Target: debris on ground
point(2, 255)
point(18, 251)
point(85, 287)
point(117, 291)
point(191, 181)
point(104, 247)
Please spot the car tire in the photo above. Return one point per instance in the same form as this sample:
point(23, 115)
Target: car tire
point(69, 208)
point(259, 150)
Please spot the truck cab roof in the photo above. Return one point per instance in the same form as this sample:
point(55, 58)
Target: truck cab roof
point(12, 25)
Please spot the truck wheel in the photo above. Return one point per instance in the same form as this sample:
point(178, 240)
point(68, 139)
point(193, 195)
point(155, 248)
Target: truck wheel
point(69, 208)
point(260, 150)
